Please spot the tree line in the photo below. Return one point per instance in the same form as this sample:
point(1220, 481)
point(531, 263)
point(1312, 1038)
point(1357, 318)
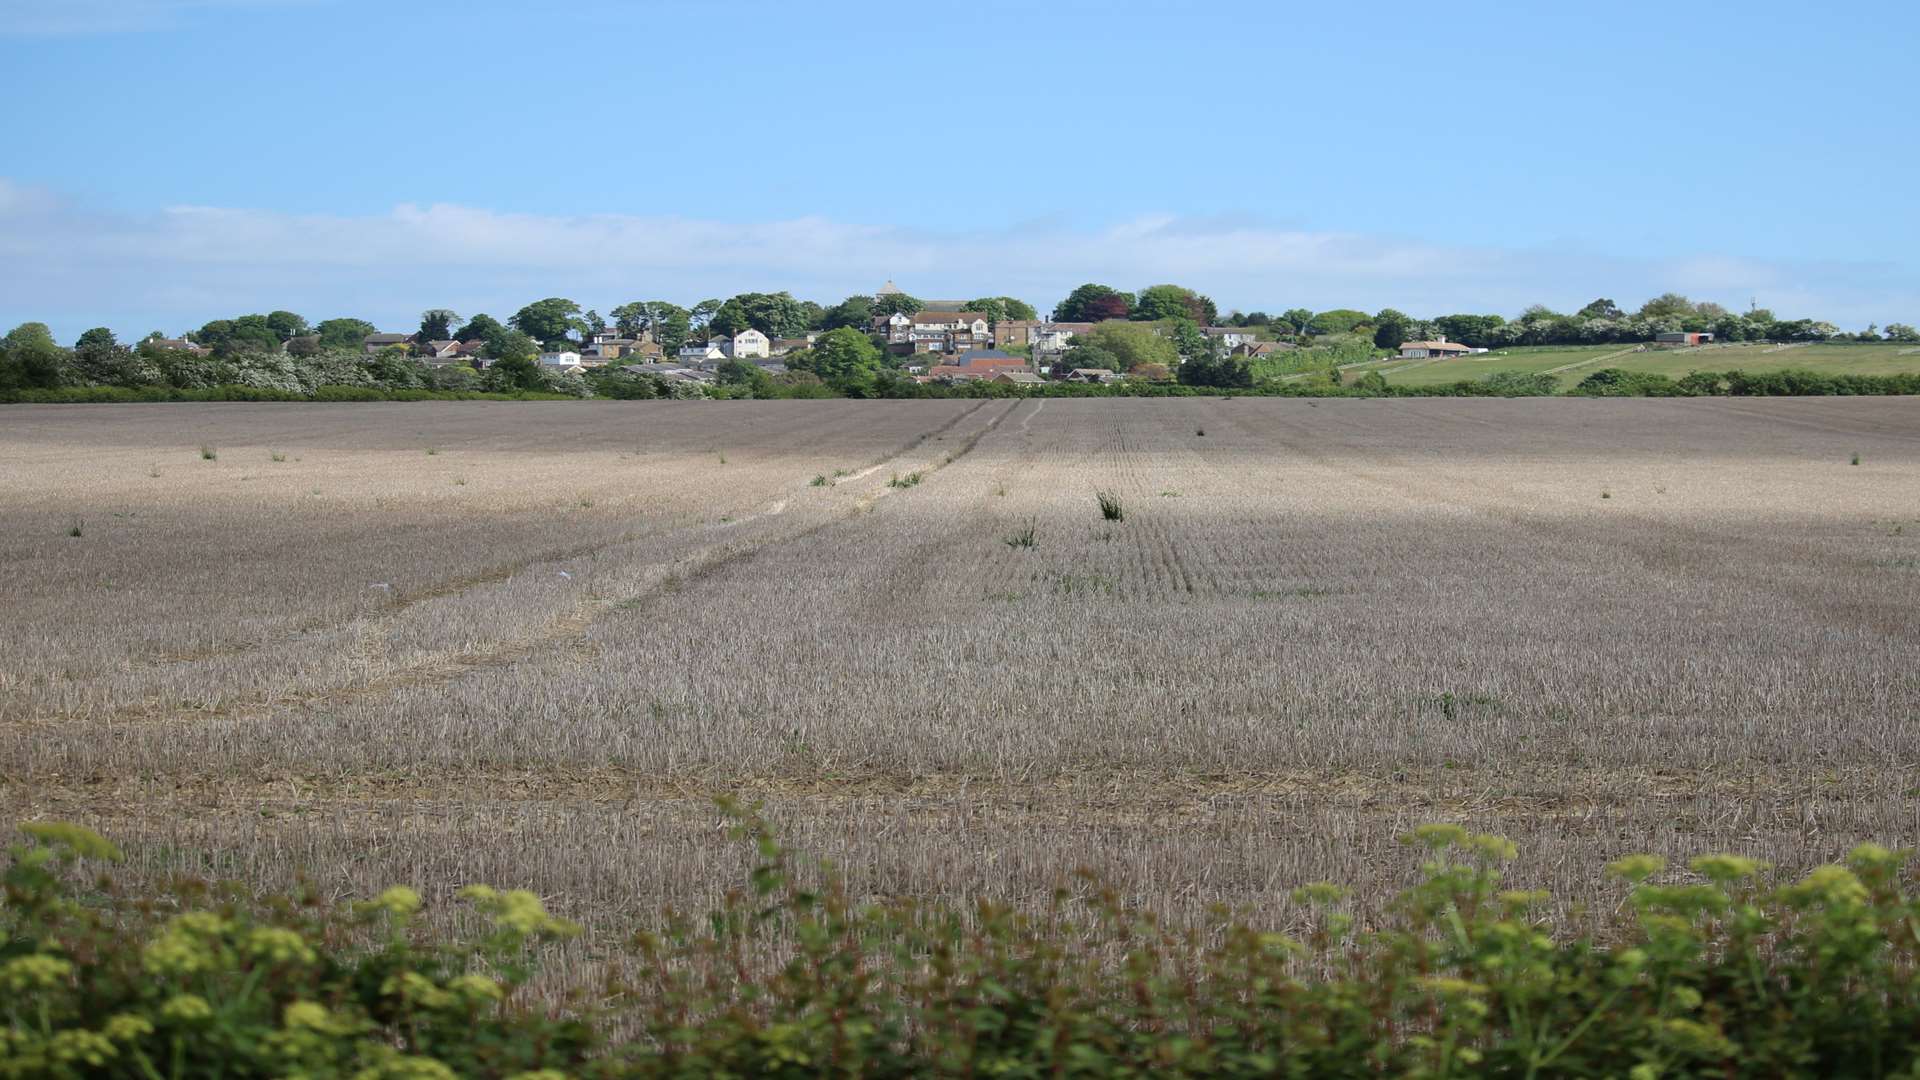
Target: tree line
point(1153, 334)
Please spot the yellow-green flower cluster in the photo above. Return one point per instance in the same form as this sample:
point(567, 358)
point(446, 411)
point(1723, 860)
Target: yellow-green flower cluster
point(187, 945)
point(186, 1009)
point(35, 971)
point(84, 843)
point(279, 945)
point(518, 911)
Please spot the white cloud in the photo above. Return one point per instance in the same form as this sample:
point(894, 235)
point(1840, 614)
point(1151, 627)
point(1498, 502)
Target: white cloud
point(180, 266)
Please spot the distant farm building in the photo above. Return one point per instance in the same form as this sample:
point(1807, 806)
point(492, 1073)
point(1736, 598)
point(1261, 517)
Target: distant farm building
point(1432, 350)
point(1678, 338)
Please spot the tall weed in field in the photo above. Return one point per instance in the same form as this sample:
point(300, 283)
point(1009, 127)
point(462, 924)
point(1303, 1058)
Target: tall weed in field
point(1110, 506)
point(1712, 972)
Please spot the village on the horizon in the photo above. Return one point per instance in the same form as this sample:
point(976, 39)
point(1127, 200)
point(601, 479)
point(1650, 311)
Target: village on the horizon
point(949, 341)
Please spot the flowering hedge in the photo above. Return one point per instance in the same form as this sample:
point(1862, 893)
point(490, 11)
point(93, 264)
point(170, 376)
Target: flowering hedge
point(1711, 973)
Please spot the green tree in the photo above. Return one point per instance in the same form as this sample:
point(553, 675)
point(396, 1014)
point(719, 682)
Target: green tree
point(667, 322)
point(97, 338)
point(549, 321)
point(1902, 332)
point(702, 314)
point(1602, 308)
point(512, 373)
point(1093, 303)
point(1337, 321)
point(1298, 321)
point(1000, 309)
point(1667, 306)
point(1391, 328)
point(1136, 344)
point(344, 333)
point(855, 311)
point(436, 324)
point(481, 327)
point(513, 345)
point(841, 354)
point(287, 325)
point(1087, 356)
point(897, 304)
point(29, 357)
point(1157, 302)
point(776, 315)
point(1475, 330)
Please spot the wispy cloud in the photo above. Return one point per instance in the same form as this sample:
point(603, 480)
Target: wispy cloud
point(58, 17)
point(176, 267)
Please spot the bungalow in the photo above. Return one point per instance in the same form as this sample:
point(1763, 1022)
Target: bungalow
point(181, 344)
point(373, 343)
point(1018, 378)
point(1092, 375)
point(565, 360)
point(1432, 350)
point(440, 350)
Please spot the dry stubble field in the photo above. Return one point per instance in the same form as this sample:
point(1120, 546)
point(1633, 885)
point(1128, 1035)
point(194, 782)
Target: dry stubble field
point(527, 643)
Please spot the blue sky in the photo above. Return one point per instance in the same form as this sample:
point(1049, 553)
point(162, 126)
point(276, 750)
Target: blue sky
point(169, 161)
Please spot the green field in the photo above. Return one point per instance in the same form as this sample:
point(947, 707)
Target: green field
point(1570, 364)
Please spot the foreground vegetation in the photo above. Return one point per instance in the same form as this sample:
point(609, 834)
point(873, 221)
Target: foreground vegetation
point(1710, 972)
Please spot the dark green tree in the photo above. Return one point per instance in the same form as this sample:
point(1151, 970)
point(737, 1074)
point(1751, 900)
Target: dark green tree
point(1157, 302)
point(436, 324)
point(897, 304)
point(1391, 328)
point(840, 354)
point(1093, 303)
point(855, 311)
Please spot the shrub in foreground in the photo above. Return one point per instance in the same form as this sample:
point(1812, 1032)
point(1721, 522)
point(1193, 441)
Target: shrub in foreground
point(1710, 973)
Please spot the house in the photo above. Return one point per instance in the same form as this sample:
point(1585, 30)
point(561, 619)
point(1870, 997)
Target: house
point(934, 331)
point(1018, 378)
point(989, 358)
point(605, 347)
point(373, 343)
point(1092, 375)
point(566, 360)
point(1432, 350)
point(1231, 337)
point(1258, 349)
point(785, 345)
point(748, 344)
point(182, 344)
point(1683, 339)
point(470, 349)
point(1052, 337)
point(694, 354)
point(1013, 333)
point(445, 351)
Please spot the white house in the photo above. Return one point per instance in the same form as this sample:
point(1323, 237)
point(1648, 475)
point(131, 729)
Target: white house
point(566, 361)
point(693, 354)
point(1232, 337)
point(748, 344)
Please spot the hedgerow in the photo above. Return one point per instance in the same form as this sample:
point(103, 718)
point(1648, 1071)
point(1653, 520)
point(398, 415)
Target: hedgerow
point(1709, 972)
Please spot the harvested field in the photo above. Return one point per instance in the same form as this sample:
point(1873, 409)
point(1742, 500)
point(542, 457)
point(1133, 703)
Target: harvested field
point(527, 643)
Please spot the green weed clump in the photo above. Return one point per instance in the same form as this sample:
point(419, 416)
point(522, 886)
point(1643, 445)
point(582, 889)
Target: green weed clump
point(1023, 538)
point(1711, 971)
point(1110, 507)
point(907, 481)
point(208, 453)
